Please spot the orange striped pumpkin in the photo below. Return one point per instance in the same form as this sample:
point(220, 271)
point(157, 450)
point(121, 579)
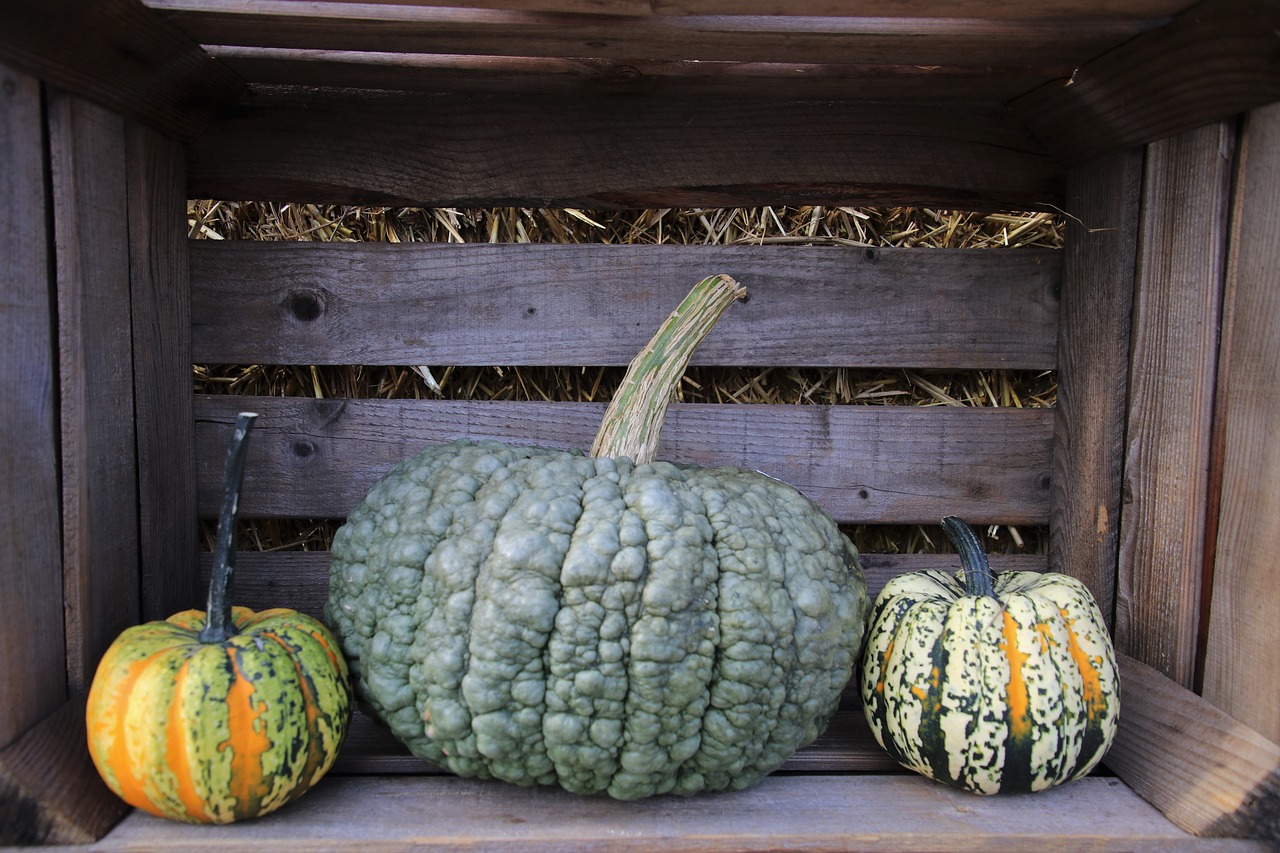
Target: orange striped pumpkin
point(220, 717)
point(993, 684)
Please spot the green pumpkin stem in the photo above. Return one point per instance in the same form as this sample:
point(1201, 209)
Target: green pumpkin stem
point(633, 421)
point(219, 625)
point(978, 578)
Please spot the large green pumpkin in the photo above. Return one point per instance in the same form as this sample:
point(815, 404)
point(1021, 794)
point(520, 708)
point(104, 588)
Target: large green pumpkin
point(599, 622)
point(994, 684)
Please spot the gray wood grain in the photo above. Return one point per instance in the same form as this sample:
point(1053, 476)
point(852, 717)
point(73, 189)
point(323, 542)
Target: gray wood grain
point(121, 54)
point(603, 151)
point(1182, 256)
point(862, 464)
point(797, 813)
point(32, 650)
point(163, 417)
point(1213, 61)
point(1093, 362)
point(95, 377)
point(1060, 44)
point(1242, 660)
point(376, 303)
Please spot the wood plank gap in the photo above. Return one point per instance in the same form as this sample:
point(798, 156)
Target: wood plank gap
point(1173, 361)
point(407, 304)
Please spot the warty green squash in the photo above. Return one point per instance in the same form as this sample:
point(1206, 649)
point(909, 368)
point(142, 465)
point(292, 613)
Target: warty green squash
point(220, 715)
point(604, 622)
point(993, 684)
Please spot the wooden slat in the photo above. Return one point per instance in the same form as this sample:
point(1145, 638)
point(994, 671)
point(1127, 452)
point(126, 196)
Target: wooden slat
point(370, 303)
point(681, 78)
point(1213, 61)
point(95, 377)
point(162, 371)
point(1060, 44)
point(1208, 772)
point(1182, 254)
point(610, 152)
point(1242, 666)
point(798, 813)
point(863, 464)
point(1093, 359)
point(121, 54)
point(32, 651)
point(833, 8)
point(50, 792)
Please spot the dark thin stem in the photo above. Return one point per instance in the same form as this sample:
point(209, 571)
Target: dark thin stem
point(218, 623)
point(978, 577)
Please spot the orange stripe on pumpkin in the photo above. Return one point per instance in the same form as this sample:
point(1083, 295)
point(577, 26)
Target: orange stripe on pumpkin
point(175, 756)
point(1016, 693)
point(247, 740)
point(1095, 701)
point(131, 788)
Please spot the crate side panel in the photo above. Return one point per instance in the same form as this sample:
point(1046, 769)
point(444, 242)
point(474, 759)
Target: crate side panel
point(99, 468)
point(1093, 359)
point(1242, 667)
point(1182, 254)
point(162, 372)
point(32, 646)
point(374, 303)
point(618, 152)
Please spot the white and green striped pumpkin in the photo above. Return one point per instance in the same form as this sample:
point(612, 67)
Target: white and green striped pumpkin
point(993, 684)
point(218, 718)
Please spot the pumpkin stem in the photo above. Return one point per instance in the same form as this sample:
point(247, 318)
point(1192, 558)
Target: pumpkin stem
point(218, 622)
point(633, 421)
point(978, 577)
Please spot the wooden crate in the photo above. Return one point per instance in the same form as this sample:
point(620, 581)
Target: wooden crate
point(1150, 123)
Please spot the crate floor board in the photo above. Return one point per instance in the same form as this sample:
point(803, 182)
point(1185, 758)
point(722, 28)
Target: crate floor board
point(880, 812)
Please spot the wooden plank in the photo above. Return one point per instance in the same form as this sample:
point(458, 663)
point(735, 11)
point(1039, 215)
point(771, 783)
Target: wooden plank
point(832, 8)
point(1244, 622)
point(1182, 254)
point(797, 813)
point(162, 372)
point(32, 650)
point(1093, 359)
point(1213, 61)
point(50, 792)
point(611, 152)
point(1209, 773)
point(375, 303)
point(863, 464)
point(120, 54)
point(577, 75)
point(95, 376)
point(1060, 44)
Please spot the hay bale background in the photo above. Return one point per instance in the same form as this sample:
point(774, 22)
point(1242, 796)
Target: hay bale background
point(825, 226)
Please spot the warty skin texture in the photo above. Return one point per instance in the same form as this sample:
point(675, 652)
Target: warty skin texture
point(545, 617)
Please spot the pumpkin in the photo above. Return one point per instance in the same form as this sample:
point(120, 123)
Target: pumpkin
point(605, 622)
point(217, 717)
point(990, 683)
